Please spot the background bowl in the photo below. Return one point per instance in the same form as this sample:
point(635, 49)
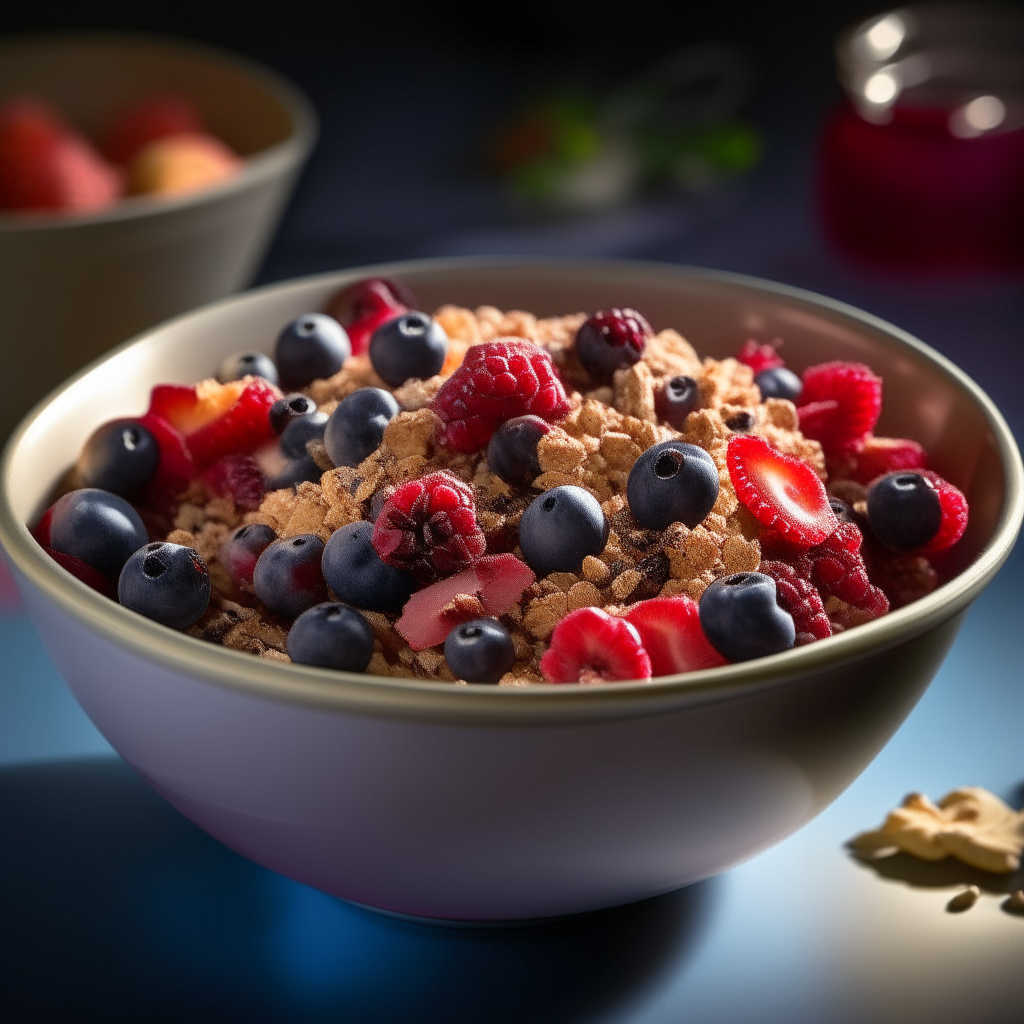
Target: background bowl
point(480, 803)
point(72, 286)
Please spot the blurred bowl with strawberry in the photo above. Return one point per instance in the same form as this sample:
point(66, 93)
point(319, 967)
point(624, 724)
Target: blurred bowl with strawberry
point(139, 177)
point(482, 802)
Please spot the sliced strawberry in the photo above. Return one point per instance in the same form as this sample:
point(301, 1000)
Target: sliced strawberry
point(175, 469)
point(876, 456)
point(188, 407)
point(759, 356)
point(591, 646)
point(857, 394)
point(86, 573)
point(669, 629)
point(243, 428)
point(782, 493)
point(237, 477)
point(490, 587)
point(954, 514)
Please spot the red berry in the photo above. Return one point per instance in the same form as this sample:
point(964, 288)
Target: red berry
point(954, 514)
point(497, 381)
point(237, 477)
point(175, 469)
point(45, 165)
point(840, 403)
point(838, 570)
point(428, 527)
point(591, 646)
point(362, 307)
point(876, 456)
point(243, 428)
point(759, 357)
point(611, 340)
point(797, 595)
point(490, 587)
point(150, 118)
point(669, 629)
point(86, 573)
point(781, 493)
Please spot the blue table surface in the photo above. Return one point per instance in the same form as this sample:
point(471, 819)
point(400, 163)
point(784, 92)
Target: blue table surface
point(115, 907)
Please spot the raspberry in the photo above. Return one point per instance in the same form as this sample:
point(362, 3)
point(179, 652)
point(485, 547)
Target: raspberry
point(237, 477)
point(782, 493)
point(491, 587)
point(591, 646)
point(797, 595)
point(841, 403)
point(759, 357)
point(876, 456)
point(428, 527)
point(954, 514)
point(497, 381)
point(839, 571)
point(669, 629)
point(612, 340)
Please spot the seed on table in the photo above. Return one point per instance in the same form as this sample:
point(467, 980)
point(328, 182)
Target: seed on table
point(964, 900)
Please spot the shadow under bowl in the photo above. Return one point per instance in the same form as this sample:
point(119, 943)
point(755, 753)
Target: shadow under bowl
point(485, 803)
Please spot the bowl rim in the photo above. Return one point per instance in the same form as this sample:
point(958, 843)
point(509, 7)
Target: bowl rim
point(376, 696)
point(263, 165)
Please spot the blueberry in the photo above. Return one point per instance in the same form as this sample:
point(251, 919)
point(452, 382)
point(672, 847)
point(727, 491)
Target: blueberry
point(410, 345)
point(330, 635)
point(356, 427)
point(480, 651)
point(121, 456)
point(904, 510)
point(741, 618)
point(287, 578)
point(778, 382)
point(676, 400)
point(354, 571)
point(672, 482)
point(560, 528)
point(284, 410)
point(165, 582)
point(312, 347)
point(98, 527)
point(239, 552)
point(295, 471)
point(512, 450)
point(299, 431)
point(247, 364)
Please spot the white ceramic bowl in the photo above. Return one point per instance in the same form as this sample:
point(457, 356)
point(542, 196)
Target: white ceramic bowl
point(72, 286)
point(480, 803)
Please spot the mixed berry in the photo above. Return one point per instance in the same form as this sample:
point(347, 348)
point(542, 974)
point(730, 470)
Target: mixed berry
point(489, 498)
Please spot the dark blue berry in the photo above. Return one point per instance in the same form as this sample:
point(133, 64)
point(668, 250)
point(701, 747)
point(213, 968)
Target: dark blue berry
point(330, 635)
point(560, 528)
point(356, 427)
point(676, 400)
point(98, 527)
point(165, 582)
point(287, 578)
point(121, 456)
point(512, 450)
point(239, 552)
point(904, 510)
point(410, 345)
point(741, 617)
point(247, 364)
point(284, 410)
point(672, 482)
point(299, 431)
point(480, 651)
point(611, 340)
point(312, 347)
point(778, 382)
point(354, 571)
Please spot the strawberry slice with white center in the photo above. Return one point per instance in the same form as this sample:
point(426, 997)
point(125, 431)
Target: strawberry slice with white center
point(782, 493)
point(669, 629)
point(490, 587)
point(591, 646)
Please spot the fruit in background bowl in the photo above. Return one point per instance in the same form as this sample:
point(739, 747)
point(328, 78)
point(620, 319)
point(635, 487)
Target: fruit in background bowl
point(156, 146)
